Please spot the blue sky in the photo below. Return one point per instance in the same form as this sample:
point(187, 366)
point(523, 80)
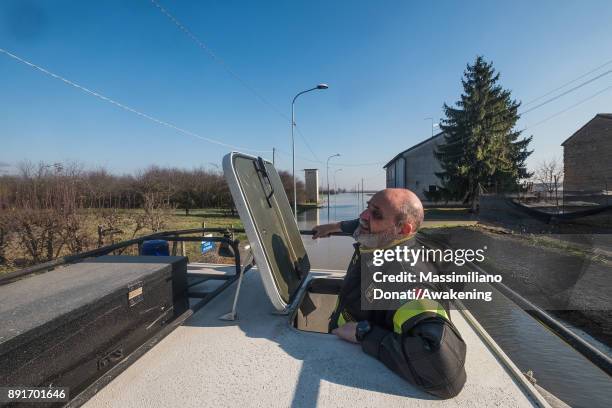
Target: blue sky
point(389, 64)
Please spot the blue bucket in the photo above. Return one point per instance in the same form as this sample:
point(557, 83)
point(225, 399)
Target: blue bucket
point(156, 247)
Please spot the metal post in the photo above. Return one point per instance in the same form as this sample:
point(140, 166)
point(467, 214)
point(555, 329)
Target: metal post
point(556, 178)
point(357, 192)
point(335, 192)
point(293, 157)
point(320, 86)
point(362, 195)
point(335, 198)
point(432, 125)
point(273, 155)
point(231, 316)
point(327, 175)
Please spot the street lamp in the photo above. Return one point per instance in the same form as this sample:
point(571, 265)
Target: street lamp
point(433, 125)
point(327, 174)
point(320, 86)
point(335, 192)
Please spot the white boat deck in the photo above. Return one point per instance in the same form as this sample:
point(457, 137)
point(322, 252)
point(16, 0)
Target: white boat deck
point(260, 361)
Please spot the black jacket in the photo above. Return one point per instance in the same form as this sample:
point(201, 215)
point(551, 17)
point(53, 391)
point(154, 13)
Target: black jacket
point(428, 352)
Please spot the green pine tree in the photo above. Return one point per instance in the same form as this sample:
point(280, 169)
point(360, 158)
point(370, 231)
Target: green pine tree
point(481, 149)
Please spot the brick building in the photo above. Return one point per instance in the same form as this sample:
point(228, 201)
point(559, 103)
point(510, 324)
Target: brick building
point(587, 157)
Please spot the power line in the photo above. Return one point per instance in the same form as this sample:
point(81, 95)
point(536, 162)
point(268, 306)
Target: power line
point(359, 164)
point(335, 163)
point(568, 83)
point(125, 107)
point(227, 69)
point(569, 107)
point(566, 92)
point(306, 143)
point(216, 58)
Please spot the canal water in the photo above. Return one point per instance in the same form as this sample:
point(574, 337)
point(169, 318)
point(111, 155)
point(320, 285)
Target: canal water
point(345, 206)
point(556, 366)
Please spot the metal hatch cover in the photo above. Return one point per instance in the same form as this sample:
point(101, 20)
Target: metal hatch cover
point(273, 234)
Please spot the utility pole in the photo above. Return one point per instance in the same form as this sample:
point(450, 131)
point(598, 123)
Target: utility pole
point(556, 177)
point(336, 193)
point(432, 125)
point(327, 175)
point(362, 195)
point(273, 154)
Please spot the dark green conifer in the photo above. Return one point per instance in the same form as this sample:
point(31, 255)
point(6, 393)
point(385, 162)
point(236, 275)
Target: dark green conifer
point(481, 148)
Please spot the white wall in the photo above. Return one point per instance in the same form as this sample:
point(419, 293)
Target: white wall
point(421, 166)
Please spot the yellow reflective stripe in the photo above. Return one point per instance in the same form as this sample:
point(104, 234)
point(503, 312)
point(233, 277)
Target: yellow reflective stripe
point(341, 321)
point(414, 308)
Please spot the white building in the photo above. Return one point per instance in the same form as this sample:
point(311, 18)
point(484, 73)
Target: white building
point(415, 167)
point(311, 178)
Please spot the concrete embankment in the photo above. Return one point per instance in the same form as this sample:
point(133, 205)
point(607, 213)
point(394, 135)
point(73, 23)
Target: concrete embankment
point(568, 280)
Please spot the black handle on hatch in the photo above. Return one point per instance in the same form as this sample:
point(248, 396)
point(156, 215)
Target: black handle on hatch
point(260, 166)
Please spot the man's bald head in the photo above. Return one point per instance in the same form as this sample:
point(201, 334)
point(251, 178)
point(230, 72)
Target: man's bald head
point(407, 205)
point(392, 213)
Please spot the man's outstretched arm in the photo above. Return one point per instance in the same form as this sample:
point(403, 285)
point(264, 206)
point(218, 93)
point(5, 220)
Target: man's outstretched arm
point(325, 230)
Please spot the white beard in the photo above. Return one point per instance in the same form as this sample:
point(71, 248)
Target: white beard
point(380, 240)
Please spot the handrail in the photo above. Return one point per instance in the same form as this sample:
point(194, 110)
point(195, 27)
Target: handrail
point(590, 352)
point(167, 235)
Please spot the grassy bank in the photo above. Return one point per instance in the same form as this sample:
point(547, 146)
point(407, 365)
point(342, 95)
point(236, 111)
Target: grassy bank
point(121, 225)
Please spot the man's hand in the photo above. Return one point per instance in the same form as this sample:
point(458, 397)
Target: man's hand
point(325, 230)
point(347, 332)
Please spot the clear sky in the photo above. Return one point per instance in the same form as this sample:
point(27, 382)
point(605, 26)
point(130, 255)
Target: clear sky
point(389, 64)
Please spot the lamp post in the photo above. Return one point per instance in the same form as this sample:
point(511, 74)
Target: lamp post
point(335, 192)
point(327, 174)
point(320, 86)
point(433, 125)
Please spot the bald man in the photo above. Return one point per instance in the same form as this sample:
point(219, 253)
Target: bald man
point(416, 339)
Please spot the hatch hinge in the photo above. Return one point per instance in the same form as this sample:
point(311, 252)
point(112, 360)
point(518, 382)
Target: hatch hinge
point(295, 301)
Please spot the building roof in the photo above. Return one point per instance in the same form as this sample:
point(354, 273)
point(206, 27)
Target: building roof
point(412, 148)
point(599, 115)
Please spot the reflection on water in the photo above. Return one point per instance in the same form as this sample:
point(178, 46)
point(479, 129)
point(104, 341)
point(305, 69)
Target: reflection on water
point(345, 206)
point(330, 253)
point(557, 367)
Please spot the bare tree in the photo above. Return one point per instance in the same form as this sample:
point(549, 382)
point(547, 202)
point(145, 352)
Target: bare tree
point(5, 231)
point(46, 208)
point(549, 175)
point(156, 211)
point(108, 226)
